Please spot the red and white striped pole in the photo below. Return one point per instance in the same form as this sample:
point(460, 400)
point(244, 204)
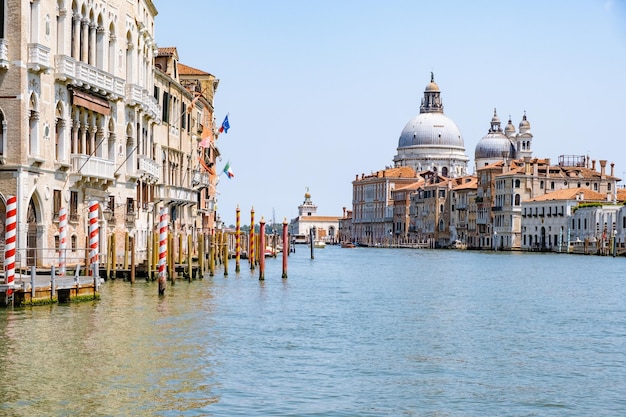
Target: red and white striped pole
point(62, 239)
point(93, 237)
point(237, 239)
point(9, 249)
point(251, 254)
point(162, 250)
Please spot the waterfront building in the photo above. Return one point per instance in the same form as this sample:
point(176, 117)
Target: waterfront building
point(463, 196)
point(324, 228)
point(75, 102)
point(82, 121)
point(431, 210)
point(401, 197)
point(184, 144)
point(529, 178)
point(431, 140)
point(547, 221)
point(372, 204)
point(345, 226)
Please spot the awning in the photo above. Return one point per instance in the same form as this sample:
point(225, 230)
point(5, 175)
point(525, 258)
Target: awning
point(91, 102)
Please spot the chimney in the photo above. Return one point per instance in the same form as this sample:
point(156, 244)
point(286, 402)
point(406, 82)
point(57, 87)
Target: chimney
point(593, 164)
point(527, 165)
point(547, 167)
point(602, 167)
point(344, 212)
point(612, 168)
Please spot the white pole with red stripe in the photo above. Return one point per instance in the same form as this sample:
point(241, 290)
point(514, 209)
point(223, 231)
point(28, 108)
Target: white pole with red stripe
point(93, 237)
point(9, 249)
point(62, 240)
point(163, 231)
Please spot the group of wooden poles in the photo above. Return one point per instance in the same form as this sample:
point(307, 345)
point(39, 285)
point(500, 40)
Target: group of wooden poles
point(165, 257)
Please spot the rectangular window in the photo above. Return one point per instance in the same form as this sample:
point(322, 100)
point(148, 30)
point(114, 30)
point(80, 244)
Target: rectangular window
point(73, 206)
point(166, 104)
point(56, 203)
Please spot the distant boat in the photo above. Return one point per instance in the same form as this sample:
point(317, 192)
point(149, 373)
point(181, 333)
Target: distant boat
point(319, 244)
point(299, 239)
point(348, 245)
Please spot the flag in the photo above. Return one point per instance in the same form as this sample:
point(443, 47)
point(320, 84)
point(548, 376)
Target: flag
point(225, 125)
point(228, 171)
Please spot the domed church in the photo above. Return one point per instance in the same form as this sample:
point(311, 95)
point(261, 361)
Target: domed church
point(498, 145)
point(432, 141)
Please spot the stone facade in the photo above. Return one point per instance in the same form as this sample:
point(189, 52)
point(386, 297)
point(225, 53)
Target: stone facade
point(81, 122)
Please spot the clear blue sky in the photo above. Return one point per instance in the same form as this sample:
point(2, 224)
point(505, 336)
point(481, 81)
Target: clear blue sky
point(318, 91)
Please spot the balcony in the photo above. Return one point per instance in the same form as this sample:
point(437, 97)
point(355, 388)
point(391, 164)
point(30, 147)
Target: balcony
point(88, 77)
point(136, 95)
point(148, 169)
point(130, 217)
point(38, 58)
point(201, 179)
point(92, 169)
point(176, 195)
point(4, 54)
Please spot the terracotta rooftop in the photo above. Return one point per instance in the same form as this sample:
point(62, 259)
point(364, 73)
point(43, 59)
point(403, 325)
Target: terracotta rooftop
point(570, 194)
point(168, 51)
point(187, 70)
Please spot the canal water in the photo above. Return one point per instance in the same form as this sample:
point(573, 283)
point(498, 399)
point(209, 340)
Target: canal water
point(353, 332)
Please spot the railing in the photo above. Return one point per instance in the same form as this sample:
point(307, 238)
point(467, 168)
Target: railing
point(93, 167)
point(149, 167)
point(38, 57)
point(67, 67)
point(170, 192)
point(201, 179)
point(136, 94)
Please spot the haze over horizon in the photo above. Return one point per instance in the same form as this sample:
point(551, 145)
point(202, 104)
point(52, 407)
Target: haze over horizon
point(318, 92)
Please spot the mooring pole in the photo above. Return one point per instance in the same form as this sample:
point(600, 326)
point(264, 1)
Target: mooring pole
point(225, 252)
point(262, 249)
point(162, 250)
point(237, 240)
point(189, 246)
point(251, 254)
point(132, 259)
point(52, 281)
point(285, 247)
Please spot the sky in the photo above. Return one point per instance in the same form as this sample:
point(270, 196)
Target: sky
point(318, 92)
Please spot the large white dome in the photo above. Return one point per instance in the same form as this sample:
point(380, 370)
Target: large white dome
point(431, 140)
point(431, 129)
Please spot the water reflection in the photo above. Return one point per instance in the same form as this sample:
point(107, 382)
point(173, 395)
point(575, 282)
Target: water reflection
point(354, 332)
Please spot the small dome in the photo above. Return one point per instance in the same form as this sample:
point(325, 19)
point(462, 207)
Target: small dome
point(509, 127)
point(495, 119)
point(432, 86)
point(524, 125)
point(494, 145)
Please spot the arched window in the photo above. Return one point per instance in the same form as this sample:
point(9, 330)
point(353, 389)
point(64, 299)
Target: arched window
point(517, 199)
point(517, 183)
